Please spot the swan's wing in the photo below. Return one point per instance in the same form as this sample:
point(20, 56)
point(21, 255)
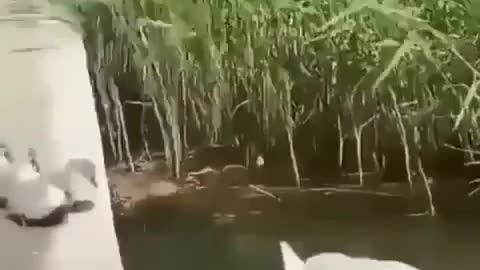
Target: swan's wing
point(291, 261)
point(35, 198)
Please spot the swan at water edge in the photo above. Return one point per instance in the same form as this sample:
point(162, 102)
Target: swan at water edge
point(336, 261)
point(33, 201)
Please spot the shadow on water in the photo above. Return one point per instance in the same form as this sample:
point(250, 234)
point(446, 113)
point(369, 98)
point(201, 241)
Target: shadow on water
point(187, 240)
point(194, 242)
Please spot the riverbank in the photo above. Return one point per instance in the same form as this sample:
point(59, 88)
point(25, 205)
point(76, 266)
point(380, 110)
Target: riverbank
point(154, 194)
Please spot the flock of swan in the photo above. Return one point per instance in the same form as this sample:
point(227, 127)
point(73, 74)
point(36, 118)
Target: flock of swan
point(34, 199)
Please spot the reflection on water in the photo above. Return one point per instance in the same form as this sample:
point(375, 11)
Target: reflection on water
point(194, 243)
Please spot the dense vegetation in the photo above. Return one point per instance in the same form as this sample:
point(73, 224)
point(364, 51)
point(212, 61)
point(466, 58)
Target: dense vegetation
point(292, 72)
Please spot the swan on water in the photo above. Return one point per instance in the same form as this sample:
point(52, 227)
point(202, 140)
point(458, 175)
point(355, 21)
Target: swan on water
point(336, 261)
point(33, 201)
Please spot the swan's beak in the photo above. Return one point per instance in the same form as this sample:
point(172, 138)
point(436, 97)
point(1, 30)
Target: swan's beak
point(291, 261)
point(93, 181)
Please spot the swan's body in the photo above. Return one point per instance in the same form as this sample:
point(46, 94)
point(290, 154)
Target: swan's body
point(336, 261)
point(34, 200)
point(40, 195)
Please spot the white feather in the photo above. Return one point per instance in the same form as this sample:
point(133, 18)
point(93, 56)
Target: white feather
point(336, 261)
point(32, 195)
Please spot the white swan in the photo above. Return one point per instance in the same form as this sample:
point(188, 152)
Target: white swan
point(33, 200)
point(336, 261)
point(62, 177)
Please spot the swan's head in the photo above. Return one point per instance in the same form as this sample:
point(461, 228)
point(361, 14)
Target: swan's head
point(83, 166)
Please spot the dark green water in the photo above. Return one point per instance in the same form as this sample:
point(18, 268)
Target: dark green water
point(182, 242)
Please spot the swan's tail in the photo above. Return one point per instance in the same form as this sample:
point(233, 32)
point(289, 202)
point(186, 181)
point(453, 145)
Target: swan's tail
point(291, 261)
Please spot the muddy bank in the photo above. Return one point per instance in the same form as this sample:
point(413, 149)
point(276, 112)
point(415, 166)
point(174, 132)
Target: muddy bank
point(294, 204)
point(157, 221)
point(154, 197)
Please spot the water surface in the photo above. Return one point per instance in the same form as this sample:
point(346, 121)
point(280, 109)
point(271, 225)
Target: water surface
point(193, 242)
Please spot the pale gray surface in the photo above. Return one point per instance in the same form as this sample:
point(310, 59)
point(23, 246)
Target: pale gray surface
point(47, 104)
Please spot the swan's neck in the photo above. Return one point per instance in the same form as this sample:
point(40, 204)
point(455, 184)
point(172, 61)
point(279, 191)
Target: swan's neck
point(83, 167)
point(76, 166)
